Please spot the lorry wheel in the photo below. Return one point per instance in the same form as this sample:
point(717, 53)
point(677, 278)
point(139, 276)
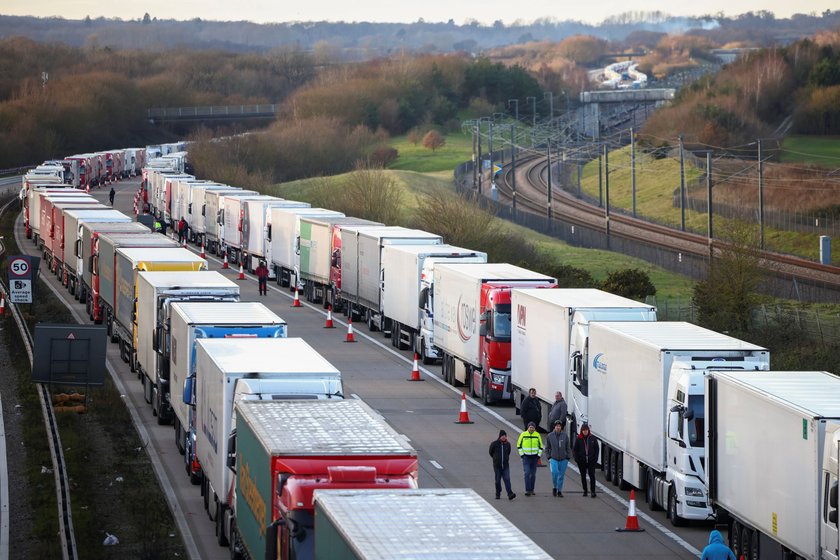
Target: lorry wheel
point(650, 492)
point(606, 461)
point(221, 538)
point(735, 536)
point(675, 519)
point(235, 543)
point(395, 335)
point(614, 458)
point(179, 435)
point(746, 542)
point(622, 484)
point(162, 420)
point(426, 360)
point(132, 361)
point(754, 551)
point(485, 393)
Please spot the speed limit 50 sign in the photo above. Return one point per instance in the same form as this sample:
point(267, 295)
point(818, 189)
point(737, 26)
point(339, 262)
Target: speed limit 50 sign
point(22, 277)
point(19, 267)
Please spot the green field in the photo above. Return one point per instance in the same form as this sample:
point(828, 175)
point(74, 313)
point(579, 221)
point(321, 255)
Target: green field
point(597, 263)
point(457, 150)
point(816, 150)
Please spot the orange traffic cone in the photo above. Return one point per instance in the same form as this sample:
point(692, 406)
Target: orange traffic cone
point(464, 417)
point(415, 370)
point(632, 525)
point(2, 304)
point(350, 337)
point(329, 323)
point(296, 302)
point(203, 256)
point(225, 262)
point(241, 272)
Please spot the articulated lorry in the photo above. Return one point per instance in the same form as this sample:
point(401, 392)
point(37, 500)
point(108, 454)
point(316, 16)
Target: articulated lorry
point(427, 523)
point(773, 446)
point(71, 258)
point(214, 207)
point(256, 213)
point(54, 244)
point(232, 230)
point(193, 321)
point(408, 292)
point(283, 245)
point(320, 256)
point(361, 268)
point(248, 369)
point(195, 215)
point(156, 292)
point(552, 326)
point(472, 323)
point(104, 260)
point(646, 402)
point(86, 247)
point(118, 288)
point(34, 211)
point(284, 452)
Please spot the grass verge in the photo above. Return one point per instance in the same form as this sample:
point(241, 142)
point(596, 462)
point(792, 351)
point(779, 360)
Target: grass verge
point(815, 150)
point(414, 157)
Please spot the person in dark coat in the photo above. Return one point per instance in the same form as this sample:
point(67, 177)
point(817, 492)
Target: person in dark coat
point(111, 195)
point(559, 410)
point(182, 230)
point(530, 409)
point(500, 451)
point(262, 278)
point(586, 457)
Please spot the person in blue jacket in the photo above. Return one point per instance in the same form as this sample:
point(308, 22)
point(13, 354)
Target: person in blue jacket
point(716, 550)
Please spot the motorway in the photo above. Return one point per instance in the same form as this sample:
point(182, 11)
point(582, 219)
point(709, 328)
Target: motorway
point(450, 454)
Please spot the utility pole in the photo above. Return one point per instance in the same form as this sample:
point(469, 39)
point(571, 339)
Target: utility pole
point(760, 199)
point(633, 167)
point(475, 162)
point(548, 156)
point(607, 193)
point(550, 104)
point(709, 197)
point(533, 101)
point(516, 107)
point(682, 185)
point(601, 177)
point(490, 149)
point(480, 162)
point(513, 171)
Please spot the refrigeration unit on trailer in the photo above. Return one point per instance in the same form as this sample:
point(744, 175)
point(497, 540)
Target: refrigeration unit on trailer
point(119, 292)
point(320, 256)
point(156, 292)
point(104, 260)
point(248, 369)
point(552, 326)
point(71, 257)
point(773, 441)
point(283, 244)
point(255, 216)
point(407, 293)
point(472, 323)
point(645, 405)
point(424, 523)
point(284, 452)
point(193, 321)
point(361, 268)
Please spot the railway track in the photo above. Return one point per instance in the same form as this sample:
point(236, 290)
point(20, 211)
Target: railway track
point(532, 196)
point(62, 486)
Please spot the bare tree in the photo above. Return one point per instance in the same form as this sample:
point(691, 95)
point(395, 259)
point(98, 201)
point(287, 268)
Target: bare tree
point(433, 140)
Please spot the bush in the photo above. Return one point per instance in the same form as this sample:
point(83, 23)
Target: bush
point(632, 283)
point(383, 155)
point(567, 276)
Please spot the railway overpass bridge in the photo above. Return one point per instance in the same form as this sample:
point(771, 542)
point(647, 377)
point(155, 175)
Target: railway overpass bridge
point(593, 114)
point(162, 115)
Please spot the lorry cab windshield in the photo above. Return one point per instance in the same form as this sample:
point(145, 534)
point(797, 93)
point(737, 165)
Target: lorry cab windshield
point(500, 327)
point(694, 415)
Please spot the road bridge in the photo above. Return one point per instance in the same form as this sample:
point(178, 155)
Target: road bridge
point(160, 115)
point(591, 113)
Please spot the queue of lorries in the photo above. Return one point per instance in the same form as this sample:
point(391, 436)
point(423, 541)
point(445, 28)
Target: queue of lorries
point(692, 418)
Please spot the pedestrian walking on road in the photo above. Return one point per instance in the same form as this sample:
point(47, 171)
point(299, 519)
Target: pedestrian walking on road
point(558, 450)
point(716, 550)
point(500, 451)
point(530, 409)
point(262, 278)
point(530, 448)
point(586, 457)
point(158, 227)
point(111, 195)
point(182, 229)
point(558, 411)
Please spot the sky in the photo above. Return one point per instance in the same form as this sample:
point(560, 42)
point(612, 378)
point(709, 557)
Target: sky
point(403, 11)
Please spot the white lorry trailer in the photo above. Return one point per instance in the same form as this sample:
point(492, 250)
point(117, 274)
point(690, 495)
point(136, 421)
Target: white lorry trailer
point(369, 524)
point(472, 323)
point(233, 370)
point(361, 268)
point(283, 248)
point(214, 207)
point(255, 215)
point(645, 403)
point(71, 258)
point(550, 327)
point(195, 210)
point(156, 291)
point(773, 446)
point(193, 321)
point(233, 223)
point(408, 282)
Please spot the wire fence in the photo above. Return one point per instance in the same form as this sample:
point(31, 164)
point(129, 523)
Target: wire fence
point(695, 267)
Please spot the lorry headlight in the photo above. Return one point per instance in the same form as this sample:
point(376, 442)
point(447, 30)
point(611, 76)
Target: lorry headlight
point(499, 379)
point(697, 492)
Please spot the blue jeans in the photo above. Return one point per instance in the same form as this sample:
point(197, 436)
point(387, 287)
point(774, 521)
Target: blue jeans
point(558, 472)
point(502, 474)
point(529, 463)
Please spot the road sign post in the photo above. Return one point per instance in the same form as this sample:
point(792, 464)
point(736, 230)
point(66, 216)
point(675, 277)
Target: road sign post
point(22, 275)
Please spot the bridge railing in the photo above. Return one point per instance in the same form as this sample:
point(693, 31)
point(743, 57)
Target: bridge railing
point(210, 111)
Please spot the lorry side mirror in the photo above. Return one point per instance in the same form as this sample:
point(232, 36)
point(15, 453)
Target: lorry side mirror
point(688, 415)
point(832, 503)
point(575, 365)
point(156, 338)
point(482, 329)
point(78, 247)
point(186, 397)
point(268, 232)
point(424, 297)
point(231, 454)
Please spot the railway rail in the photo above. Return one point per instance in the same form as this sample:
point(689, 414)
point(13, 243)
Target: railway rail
point(532, 196)
point(62, 485)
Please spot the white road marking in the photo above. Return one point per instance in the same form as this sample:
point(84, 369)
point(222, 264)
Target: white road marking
point(436, 465)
